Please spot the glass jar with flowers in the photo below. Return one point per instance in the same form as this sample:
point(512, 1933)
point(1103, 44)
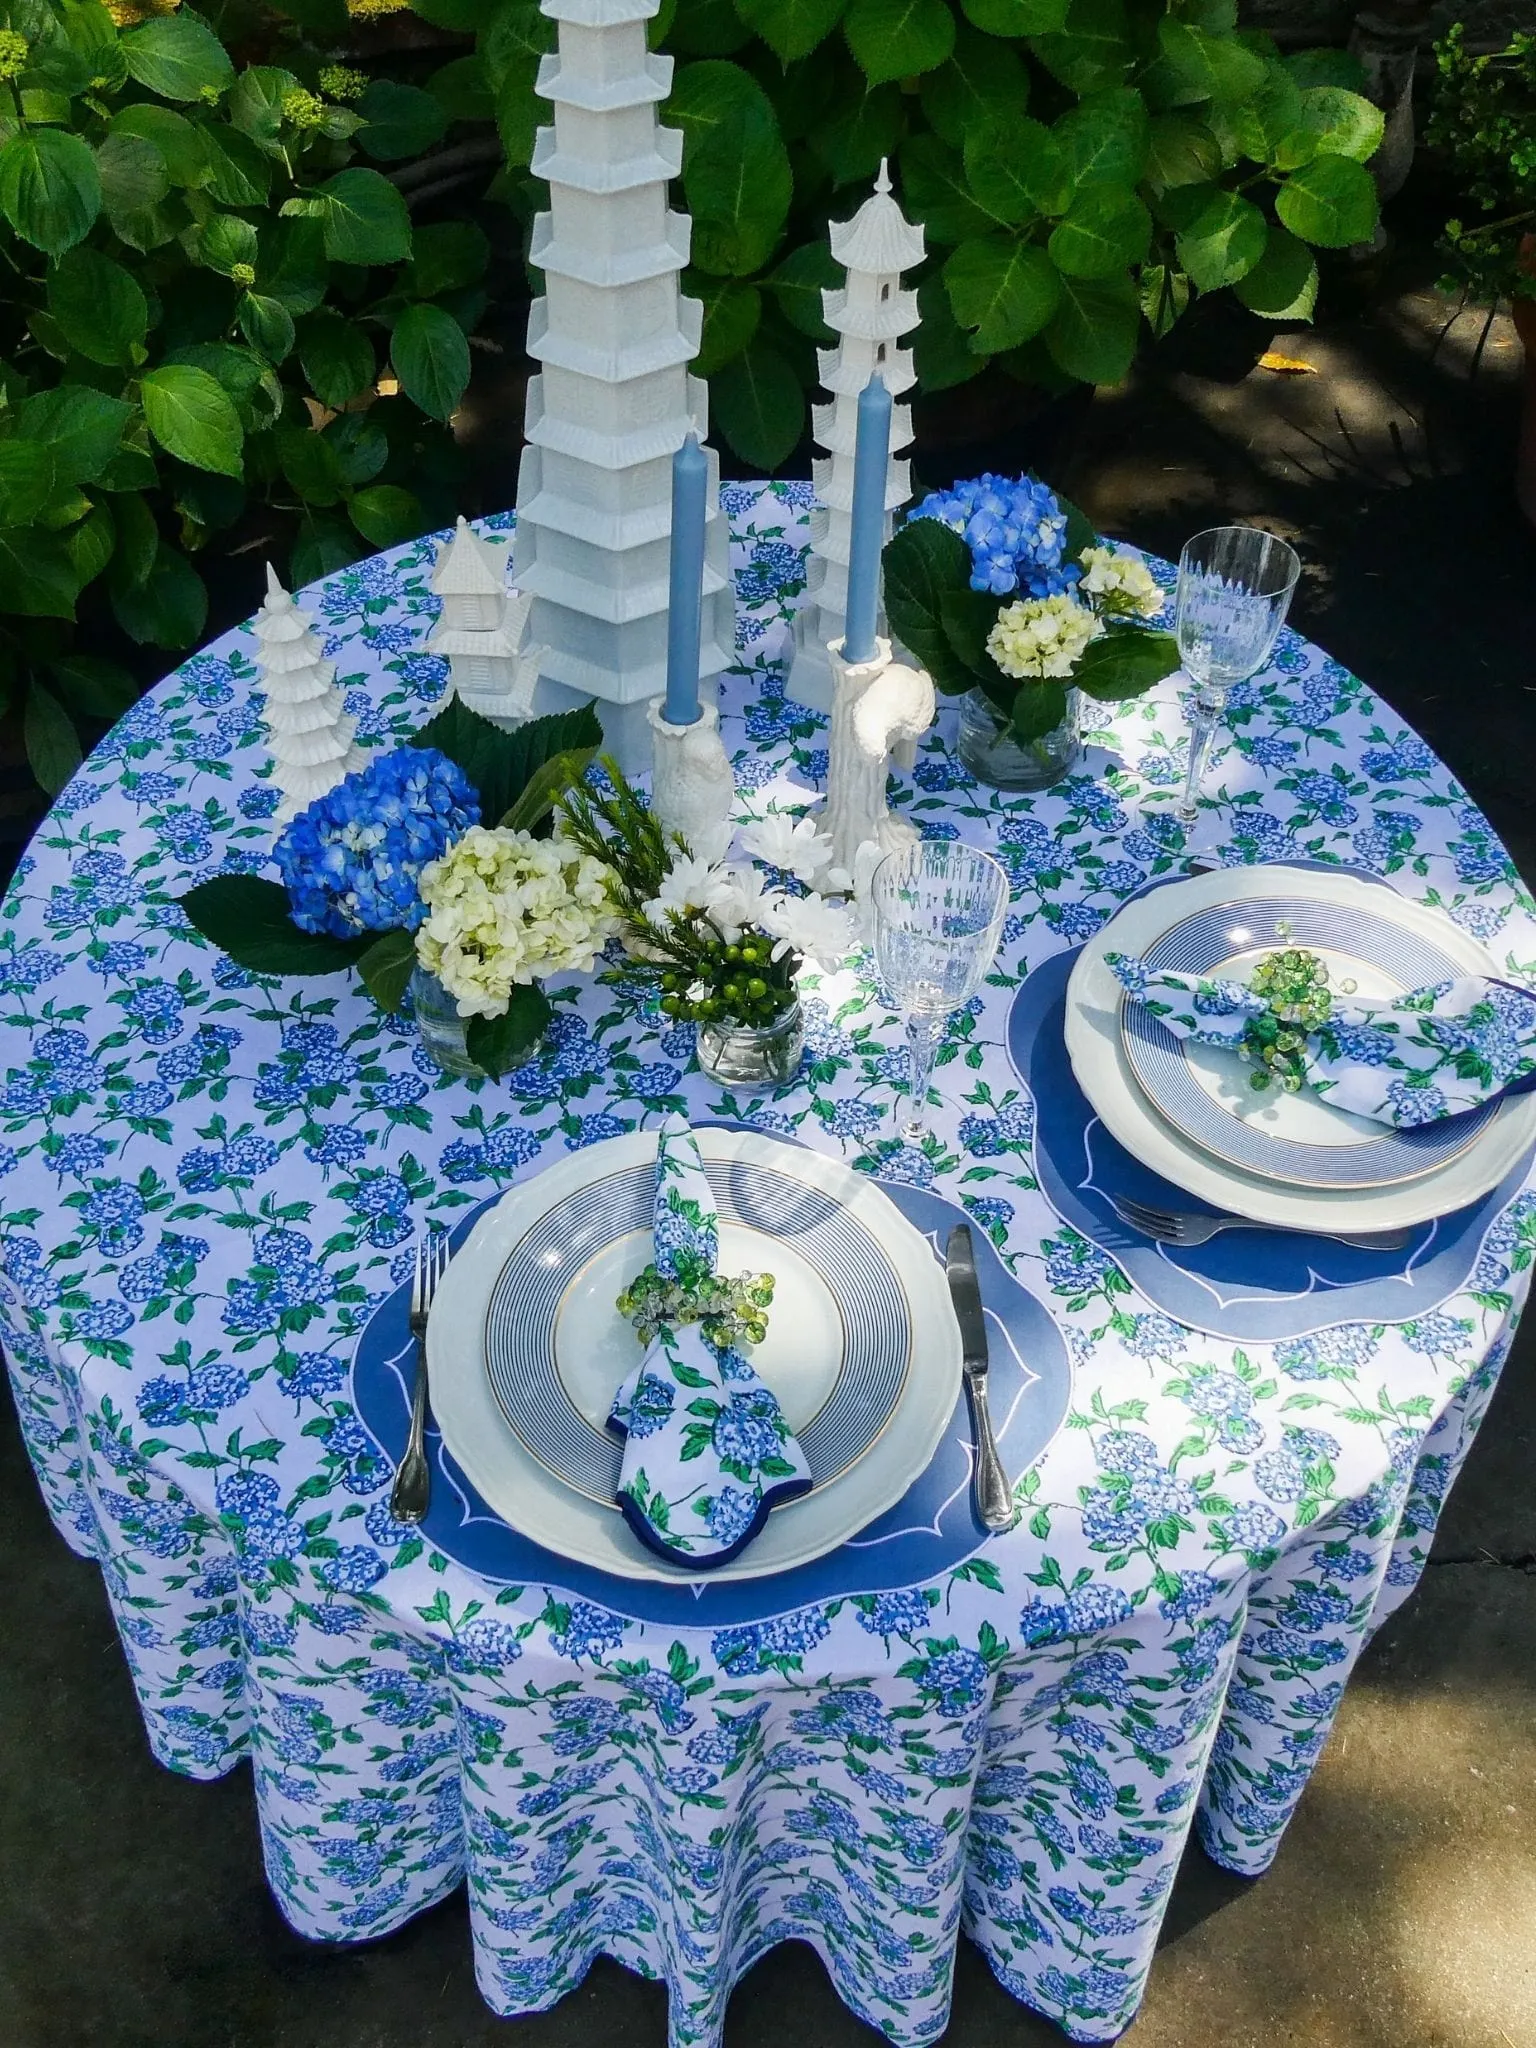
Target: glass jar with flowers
point(721, 942)
point(395, 872)
point(1000, 590)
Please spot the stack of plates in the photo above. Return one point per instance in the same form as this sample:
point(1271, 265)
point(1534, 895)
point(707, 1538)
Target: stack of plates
point(1189, 1112)
point(526, 1348)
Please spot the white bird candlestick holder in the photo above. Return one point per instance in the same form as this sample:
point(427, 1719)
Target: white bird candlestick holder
point(880, 709)
point(692, 787)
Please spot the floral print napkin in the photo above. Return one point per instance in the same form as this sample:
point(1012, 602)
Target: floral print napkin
point(1432, 1052)
point(707, 1451)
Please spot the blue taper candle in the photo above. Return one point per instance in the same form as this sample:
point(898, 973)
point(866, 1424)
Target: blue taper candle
point(870, 451)
point(685, 601)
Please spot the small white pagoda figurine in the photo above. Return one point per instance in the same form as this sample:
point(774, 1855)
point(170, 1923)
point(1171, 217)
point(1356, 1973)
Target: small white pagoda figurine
point(482, 626)
point(309, 730)
point(869, 314)
point(613, 399)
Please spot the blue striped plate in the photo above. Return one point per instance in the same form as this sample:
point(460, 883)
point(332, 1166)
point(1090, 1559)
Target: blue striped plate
point(524, 1310)
point(1166, 1066)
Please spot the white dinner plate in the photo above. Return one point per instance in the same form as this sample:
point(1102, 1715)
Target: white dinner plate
point(808, 1358)
point(1104, 1071)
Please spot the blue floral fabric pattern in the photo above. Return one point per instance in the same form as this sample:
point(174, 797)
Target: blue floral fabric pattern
point(208, 1180)
point(1432, 1052)
point(707, 1451)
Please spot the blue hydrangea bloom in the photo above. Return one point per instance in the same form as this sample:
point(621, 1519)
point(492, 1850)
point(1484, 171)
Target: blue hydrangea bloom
point(351, 862)
point(1015, 529)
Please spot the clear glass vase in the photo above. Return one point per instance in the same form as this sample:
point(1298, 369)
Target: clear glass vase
point(988, 748)
point(754, 1055)
point(439, 1024)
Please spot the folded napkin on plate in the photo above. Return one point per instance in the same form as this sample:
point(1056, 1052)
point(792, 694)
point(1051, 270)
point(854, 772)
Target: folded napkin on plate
point(707, 1451)
point(1432, 1052)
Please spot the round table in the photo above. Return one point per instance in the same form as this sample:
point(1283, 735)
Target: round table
point(211, 1184)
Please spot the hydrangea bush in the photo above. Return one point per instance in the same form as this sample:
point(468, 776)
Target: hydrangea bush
point(395, 867)
point(1000, 586)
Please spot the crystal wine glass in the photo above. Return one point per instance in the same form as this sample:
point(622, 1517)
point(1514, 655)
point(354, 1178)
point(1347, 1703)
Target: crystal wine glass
point(1235, 588)
point(938, 915)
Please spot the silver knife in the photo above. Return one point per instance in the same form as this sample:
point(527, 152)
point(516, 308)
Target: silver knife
point(989, 1482)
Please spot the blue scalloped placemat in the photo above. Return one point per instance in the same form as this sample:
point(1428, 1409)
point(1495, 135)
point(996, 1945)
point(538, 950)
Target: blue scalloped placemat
point(932, 1529)
point(1254, 1286)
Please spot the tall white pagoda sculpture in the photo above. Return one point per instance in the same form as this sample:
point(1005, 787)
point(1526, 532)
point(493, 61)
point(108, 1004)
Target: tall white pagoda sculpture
point(870, 313)
point(613, 399)
point(482, 626)
point(309, 729)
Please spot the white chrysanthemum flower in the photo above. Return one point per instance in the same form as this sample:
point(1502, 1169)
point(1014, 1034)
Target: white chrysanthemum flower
point(1041, 636)
point(793, 845)
point(822, 931)
point(737, 903)
point(1120, 584)
point(504, 909)
point(689, 885)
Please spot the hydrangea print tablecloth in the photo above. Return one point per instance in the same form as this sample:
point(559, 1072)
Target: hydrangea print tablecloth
point(208, 1182)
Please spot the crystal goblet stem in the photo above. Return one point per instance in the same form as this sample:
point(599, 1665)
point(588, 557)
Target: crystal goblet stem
point(924, 1034)
point(1209, 704)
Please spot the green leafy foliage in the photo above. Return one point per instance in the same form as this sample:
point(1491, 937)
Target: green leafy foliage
point(200, 275)
point(1483, 123)
point(1082, 170)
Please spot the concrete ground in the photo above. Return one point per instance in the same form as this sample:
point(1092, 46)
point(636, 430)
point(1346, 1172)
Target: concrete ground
point(1401, 1912)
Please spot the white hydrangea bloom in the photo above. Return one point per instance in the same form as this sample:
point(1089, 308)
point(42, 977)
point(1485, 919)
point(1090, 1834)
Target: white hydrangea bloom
point(504, 909)
point(1120, 584)
point(1041, 636)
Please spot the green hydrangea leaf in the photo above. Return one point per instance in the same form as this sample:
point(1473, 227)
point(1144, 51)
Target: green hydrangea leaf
point(387, 514)
point(337, 358)
point(893, 39)
point(759, 406)
point(1223, 242)
point(498, 1044)
point(431, 359)
point(1004, 291)
point(924, 562)
point(1125, 663)
point(50, 188)
point(1106, 228)
point(399, 120)
point(983, 81)
point(100, 308)
point(1330, 202)
point(791, 28)
point(193, 418)
point(1093, 334)
point(169, 608)
point(1282, 285)
point(1342, 123)
point(53, 745)
point(178, 57)
point(364, 219)
point(1016, 169)
point(250, 920)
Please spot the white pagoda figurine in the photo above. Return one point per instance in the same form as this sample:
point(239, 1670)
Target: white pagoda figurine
point(309, 730)
point(870, 313)
point(613, 399)
point(482, 626)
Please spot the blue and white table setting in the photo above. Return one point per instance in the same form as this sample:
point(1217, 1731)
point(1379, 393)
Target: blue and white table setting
point(876, 1723)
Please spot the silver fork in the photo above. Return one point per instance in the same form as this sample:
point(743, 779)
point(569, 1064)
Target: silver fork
point(412, 1492)
point(1184, 1227)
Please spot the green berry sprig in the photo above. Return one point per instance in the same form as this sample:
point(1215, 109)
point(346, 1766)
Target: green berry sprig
point(1294, 984)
